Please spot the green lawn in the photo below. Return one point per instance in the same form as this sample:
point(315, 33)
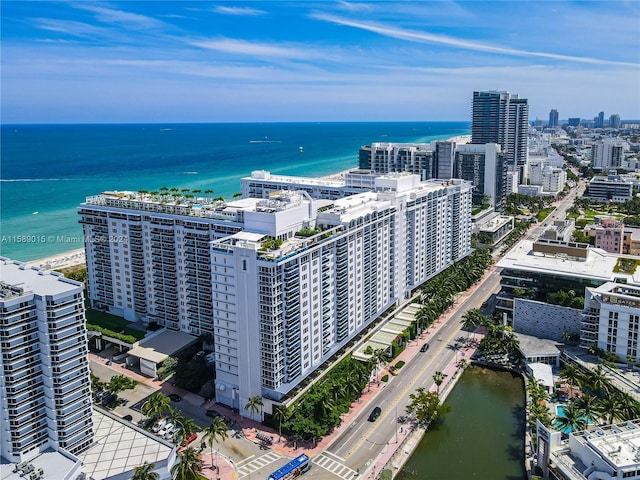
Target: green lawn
point(112, 322)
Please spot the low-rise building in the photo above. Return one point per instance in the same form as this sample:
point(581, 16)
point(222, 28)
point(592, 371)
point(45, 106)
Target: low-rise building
point(612, 188)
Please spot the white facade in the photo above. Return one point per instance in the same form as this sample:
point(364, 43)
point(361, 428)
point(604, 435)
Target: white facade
point(278, 302)
point(612, 318)
point(608, 153)
point(45, 400)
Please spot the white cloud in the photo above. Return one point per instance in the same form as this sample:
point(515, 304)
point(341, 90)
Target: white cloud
point(423, 37)
point(238, 11)
point(120, 17)
point(264, 51)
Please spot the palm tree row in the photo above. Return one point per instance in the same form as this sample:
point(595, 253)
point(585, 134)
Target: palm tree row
point(159, 405)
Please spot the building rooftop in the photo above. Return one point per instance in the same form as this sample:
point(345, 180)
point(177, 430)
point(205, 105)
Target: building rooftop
point(54, 465)
point(597, 265)
point(31, 279)
point(162, 345)
point(121, 447)
point(531, 346)
point(619, 443)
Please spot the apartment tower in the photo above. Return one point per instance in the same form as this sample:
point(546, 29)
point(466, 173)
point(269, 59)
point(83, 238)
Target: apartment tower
point(45, 400)
point(502, 118)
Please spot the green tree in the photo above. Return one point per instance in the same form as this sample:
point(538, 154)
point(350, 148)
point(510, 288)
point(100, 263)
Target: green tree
point(438, 378)
point(571, 419)
point(157, 405)
point(254, 405)
point(426, 406)
point(597, 380)
point(471, 319)
point(217, 429)
point(536, 412)
point(186, 427)
point(282, 414)
point(189, 467)
point(572, 374)
point(588, 407)
point(145, 472)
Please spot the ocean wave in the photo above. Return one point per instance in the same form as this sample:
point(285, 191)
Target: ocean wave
point(37, 179)
point(190, 173)
point(265, 141)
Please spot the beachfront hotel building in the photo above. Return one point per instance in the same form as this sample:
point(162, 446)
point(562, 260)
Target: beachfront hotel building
point(45, 401)
point(283, 282)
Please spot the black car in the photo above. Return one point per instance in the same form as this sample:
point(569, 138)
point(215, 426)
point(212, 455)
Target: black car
point(375, 413)
point(424, 347)
point(128, 418)
point(212, 413)
point(175, 397)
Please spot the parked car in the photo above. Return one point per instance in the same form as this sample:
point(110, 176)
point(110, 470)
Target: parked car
point(393, 370)
point(159, 424)
point(169, 434)
point(175, 397)
point(424, 347)
point(375, 413)
point(167, 430)
point(128, 418)
point(212, 414)
point(188, 440)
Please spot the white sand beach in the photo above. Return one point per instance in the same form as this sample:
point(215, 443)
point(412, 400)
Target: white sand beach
point(67, 259)
point(460, 139)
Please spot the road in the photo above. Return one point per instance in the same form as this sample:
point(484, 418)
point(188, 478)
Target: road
point(560, 211)
point(362, 441)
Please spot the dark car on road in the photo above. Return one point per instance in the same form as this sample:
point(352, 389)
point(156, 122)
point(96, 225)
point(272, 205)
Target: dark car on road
point(212, 414)
point(375, 413)
point(175, 397)
point(424, 347)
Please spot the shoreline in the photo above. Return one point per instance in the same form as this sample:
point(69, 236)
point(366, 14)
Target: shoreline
point(71, 258)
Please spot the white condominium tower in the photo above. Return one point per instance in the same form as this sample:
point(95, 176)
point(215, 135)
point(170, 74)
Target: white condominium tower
point(45, 399)
point(282, 282)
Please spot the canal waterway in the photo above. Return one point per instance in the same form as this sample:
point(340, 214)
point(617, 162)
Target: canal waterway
point(483, 435)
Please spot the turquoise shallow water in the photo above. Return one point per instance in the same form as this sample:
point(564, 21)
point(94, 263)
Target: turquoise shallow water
point(46, 171)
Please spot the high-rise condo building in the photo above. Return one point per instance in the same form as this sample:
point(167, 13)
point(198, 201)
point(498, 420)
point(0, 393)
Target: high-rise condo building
point(45, 400)
point(484, 165)
point(599, 120)
point(282, 283)
point(553, 118)
point(502, 118)
point(614, 121)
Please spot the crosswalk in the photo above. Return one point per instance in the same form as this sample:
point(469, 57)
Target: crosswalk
point(334, 465)
point(256, 464)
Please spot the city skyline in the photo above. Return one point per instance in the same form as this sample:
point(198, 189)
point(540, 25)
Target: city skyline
point(65, 62)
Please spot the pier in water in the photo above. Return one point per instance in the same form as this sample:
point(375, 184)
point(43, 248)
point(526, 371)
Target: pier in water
point(481, 438)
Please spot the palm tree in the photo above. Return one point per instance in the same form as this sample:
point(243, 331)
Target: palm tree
point(189, 467)
point(538, 412)
point(571, 419)
point(380, 357)
point(211, 433)
point(186, 427)
point(629, 408)
point(471, 319)
point(598, 381)
point(609, 408)
point(255, 405)
point(156, 405)
point(537, 391)
point(282, 413)
point(588, 407)
point(438, 378)
point(145, 472)
point(572, 374)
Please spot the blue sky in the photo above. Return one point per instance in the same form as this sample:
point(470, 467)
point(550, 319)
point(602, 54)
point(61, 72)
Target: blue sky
point(246, 61)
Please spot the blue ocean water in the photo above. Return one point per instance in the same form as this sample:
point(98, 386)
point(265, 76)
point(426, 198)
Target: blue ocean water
point(46, 171)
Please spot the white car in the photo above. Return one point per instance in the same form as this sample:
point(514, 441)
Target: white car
point(159, 424)
point(168, 428)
